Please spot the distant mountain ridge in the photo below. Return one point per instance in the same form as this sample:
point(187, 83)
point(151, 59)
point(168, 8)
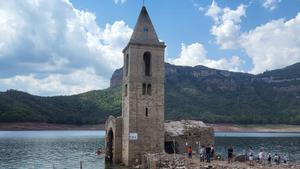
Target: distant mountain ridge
point(215, 96)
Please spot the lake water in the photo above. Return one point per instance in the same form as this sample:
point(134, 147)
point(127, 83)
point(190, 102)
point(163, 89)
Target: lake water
point(280, 143)
point(65, 149)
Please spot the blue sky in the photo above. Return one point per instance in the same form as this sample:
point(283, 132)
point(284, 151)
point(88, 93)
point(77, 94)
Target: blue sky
point(64, 47)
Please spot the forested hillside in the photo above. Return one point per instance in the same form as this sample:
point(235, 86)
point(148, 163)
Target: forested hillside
point(211, 95)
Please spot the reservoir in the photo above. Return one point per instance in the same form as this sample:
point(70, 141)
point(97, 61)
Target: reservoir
point(65, 149)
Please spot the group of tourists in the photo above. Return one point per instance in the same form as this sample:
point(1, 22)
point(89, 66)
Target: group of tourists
point(262, 157)
point(205, 153)
point(208, 153)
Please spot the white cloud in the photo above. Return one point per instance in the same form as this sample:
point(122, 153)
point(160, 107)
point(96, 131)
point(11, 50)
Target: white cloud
point(214, 11)
point(78, 81)
point(273, 45)
point(195, 54)
point(270, 4)
point(119, 1)
point(270, 46)
point(226, 27)
point(198, 6)
point(43, 39)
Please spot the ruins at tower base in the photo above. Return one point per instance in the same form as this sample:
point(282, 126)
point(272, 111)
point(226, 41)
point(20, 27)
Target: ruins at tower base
point(140, 129)
point(178, 136)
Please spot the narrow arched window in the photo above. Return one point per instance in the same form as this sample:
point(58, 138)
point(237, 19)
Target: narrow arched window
point(146, 113)
point(147, 63)
point(149, 90)
point(126, 64)
point(126, 88)
point(144, 88)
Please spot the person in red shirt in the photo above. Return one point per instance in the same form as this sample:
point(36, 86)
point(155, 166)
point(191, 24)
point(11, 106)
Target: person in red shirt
point(190, 151)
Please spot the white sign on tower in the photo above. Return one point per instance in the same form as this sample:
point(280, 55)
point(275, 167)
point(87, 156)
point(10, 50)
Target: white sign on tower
point(133, 136)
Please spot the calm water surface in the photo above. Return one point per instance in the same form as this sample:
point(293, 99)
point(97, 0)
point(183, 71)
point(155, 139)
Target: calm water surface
point(50, 149)
point(65, 149)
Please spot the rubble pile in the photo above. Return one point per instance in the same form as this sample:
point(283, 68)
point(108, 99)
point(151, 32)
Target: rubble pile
point(165, 161)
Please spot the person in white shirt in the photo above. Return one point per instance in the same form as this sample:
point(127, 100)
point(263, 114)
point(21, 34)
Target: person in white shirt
point(201, 153)
point(261, 156)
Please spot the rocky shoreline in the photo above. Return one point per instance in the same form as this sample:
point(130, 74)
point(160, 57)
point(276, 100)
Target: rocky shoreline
point(169, 161)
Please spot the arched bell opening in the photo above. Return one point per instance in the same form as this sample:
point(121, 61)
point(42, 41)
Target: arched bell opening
point(147, 63)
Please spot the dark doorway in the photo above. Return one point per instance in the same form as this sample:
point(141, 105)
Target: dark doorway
point(170, 148)
point(109, 146)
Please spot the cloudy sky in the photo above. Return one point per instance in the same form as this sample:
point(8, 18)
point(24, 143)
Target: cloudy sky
point(64, 47)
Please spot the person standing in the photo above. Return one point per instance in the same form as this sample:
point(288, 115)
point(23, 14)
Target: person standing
point(250, 155)
point(270, 159)
point(212, 152)
point(208, 152)
point(276, 159)
point(190, 151)
point(261, 156)
point(201, 153)
point(230, 154)
point(285, 159)
point(251, 158)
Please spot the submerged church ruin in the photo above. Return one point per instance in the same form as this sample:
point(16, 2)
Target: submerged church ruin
point(141, 128)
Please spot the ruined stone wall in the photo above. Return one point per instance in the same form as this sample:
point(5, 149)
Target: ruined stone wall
point(190, 135)
point(118, 140)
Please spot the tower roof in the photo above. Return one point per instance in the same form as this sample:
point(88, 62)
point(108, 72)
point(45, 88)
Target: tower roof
point(144, 32)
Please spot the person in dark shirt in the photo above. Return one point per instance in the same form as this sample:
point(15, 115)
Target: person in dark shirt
point(208, 153)
point(230, 154)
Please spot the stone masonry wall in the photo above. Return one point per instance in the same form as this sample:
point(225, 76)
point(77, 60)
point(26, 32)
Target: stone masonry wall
point(189, 133)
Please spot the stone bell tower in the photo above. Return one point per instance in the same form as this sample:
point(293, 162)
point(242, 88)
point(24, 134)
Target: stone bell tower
point(143, 92)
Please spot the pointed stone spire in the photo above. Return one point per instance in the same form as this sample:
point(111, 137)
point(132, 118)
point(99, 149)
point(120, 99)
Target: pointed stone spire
point(144, 32)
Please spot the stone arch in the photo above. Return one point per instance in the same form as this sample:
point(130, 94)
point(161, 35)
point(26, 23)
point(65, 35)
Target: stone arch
point(110, 139)
point(113, 140)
